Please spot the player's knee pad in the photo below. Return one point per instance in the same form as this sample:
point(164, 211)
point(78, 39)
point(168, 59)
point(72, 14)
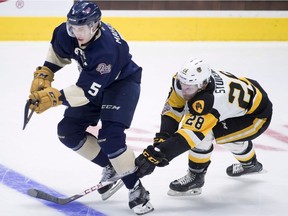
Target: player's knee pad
point(70, 133)
point(124, 163)
point(71, 140)
point(75, 137)
point(203, 151)
point(206, 143)
point(242, 151)
point(112, 139)
point(88, 148)
point(201, 156)
point(236, 147)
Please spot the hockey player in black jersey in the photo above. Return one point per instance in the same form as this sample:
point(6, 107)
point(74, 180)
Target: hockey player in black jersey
point(107, 90)
point(212, 107)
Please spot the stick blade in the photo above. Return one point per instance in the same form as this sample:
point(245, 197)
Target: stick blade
point(48, 197)
point(42, 195)
point(27, 115)
point(32, 192)
point(26, 112)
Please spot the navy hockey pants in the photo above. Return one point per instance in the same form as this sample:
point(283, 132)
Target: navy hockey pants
point(115, 108)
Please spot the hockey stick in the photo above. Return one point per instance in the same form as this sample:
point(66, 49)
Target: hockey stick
point(63, 201)
point(27, 115)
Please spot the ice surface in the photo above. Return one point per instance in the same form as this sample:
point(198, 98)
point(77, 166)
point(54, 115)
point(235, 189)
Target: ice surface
point(35, 157)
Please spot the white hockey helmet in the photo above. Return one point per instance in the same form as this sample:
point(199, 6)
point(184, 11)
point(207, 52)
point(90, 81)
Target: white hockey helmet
point(195, 71)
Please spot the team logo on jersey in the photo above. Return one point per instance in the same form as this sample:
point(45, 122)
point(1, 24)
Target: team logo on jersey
point(198, 106)
point(166, 108)
point(104, 68)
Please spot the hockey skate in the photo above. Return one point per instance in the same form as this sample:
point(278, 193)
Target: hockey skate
point(139, 199)
point(188, 185)
point(242, 169)
point(109, 173)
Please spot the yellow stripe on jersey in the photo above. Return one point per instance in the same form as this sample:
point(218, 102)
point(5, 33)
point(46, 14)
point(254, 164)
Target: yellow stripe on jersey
point(246, 157)
point(199, 158)
point(246, 132)
point(174, 102)
point(200, 123)
point(173, 115)
point(190, 137)
point(257, 98)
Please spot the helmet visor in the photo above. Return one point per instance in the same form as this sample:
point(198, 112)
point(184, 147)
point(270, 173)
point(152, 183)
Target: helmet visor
point(81, 30)
point(188, 91)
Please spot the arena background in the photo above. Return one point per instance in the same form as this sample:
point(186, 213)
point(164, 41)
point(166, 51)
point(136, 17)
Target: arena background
point(194, 20)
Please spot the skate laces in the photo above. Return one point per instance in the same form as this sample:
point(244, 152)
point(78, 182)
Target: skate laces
point(107, 173)
point(136, 191)
point(237, 168)
point(137, 187)
point(189, 177)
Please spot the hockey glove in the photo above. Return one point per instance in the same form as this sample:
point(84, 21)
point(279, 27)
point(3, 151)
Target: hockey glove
point(148, 160)
point(43, 77)
point(49, 97)
point(159, 138)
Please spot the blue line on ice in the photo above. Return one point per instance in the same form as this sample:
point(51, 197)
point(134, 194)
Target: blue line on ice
point(22, 183)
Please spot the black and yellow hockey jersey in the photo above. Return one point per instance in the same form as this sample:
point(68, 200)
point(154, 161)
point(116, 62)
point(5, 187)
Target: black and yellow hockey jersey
point(225, 97)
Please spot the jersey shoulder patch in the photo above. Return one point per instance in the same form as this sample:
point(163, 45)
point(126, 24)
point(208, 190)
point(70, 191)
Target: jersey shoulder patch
point(201, 103)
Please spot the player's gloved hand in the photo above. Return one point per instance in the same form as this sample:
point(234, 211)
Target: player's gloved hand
point(43, 77)
point(159, 138)
point(148, 160)
point(49, 97)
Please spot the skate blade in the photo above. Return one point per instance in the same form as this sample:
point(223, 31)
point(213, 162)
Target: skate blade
point(143, 209)
point(252, 173)
point(192, 192)
point(113, 190)
point(262, 171)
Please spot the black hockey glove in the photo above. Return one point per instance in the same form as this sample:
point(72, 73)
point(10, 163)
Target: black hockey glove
point(148, 160)
point(159, 138)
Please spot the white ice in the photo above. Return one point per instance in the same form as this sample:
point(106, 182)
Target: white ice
point(37, 155)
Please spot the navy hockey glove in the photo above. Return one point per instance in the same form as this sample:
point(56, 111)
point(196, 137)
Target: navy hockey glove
point(148, 160)
point(159, 138)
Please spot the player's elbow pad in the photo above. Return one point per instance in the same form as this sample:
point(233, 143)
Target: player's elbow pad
point(74, 96)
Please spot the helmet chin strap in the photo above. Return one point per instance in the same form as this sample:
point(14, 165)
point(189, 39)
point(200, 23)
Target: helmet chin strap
point(203, 87)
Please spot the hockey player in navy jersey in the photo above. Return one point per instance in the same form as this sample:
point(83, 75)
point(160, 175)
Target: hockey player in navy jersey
point(211, 106)
point(107, 90)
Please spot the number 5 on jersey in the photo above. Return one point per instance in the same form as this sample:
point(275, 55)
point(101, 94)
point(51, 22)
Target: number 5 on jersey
point(94, 89)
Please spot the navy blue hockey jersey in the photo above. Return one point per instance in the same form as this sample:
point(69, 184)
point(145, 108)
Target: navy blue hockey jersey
point(101, 62)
